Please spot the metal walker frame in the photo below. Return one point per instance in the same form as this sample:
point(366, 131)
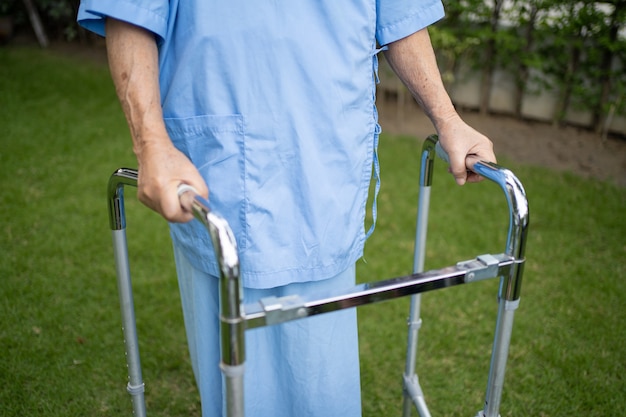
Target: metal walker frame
point(236, 318)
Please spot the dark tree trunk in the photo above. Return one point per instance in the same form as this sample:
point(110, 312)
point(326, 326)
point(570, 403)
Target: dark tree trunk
point(523, 69)
point(490, 56)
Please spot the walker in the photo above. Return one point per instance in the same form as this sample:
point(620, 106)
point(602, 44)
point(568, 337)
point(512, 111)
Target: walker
point(236, 318)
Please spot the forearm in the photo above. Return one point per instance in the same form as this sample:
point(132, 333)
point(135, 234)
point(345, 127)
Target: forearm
point(413, 60)
point(133, 62)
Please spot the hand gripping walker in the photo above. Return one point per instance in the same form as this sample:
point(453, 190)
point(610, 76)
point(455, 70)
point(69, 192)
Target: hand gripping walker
point(236, 318)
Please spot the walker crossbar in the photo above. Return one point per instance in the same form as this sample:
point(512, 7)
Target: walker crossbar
point(235, 318)
point(279, 310)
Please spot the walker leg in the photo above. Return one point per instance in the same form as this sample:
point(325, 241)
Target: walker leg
point(117, 221)
point(413, 394)
point(499, 355)
point(135, 385)
point(233, 383)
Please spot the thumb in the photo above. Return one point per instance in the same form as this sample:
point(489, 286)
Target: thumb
point(456, 163)
point(457, 168)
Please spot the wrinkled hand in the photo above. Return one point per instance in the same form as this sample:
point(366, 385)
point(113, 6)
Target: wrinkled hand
point(464, 146)
point(162, 168)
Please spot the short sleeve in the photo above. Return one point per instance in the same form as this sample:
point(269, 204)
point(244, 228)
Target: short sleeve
point(151, 15)
point(397, 19)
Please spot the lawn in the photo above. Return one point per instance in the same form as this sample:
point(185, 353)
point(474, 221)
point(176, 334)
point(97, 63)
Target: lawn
point(62, 354)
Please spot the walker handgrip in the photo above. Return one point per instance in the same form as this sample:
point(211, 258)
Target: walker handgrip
point(219, 230)
point(441, 153)
point(470, 160)
point(221, 234)
point(186, 195)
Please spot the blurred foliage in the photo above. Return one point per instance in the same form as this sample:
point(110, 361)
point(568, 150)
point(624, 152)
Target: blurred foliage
point(575, 48)
point(57, 16)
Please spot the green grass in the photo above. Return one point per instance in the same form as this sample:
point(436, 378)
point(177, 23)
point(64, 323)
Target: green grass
point(61, 347)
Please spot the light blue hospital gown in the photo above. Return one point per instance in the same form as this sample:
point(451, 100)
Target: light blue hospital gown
point(273, 101)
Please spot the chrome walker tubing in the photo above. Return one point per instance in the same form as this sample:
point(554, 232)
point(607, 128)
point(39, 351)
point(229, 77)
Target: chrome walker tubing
point(510, 283)
point(117, 220)
point(232, 325)
point(413, 394)
point(235, 317)
point(231, 313)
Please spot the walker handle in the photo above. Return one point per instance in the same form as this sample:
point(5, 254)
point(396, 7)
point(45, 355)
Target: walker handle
point(441, 153)
point(514, 194)
point(225, 248)
point(470, 159)
point(220, 232)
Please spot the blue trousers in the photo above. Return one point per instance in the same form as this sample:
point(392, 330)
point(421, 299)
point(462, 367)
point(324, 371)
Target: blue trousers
point(304, 368)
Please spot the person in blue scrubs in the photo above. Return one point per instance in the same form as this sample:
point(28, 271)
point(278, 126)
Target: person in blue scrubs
point(268, 109)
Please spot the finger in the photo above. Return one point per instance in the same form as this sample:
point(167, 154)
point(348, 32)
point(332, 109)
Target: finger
point(167, 204)
point(172, 210)
point(458, 169)
point(471, 160)
point(473, 177)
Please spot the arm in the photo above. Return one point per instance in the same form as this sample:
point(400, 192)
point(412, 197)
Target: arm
point(413, 60)
point(133, 61)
